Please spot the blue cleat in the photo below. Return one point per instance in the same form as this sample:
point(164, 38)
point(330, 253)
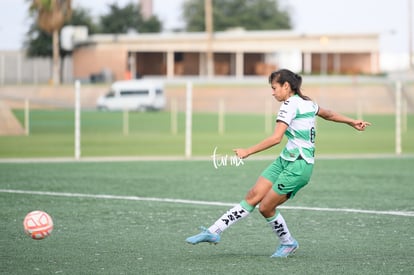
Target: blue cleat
point(285, 250)
point(204, 236)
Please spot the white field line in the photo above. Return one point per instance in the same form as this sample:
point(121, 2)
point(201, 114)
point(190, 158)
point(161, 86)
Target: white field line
point(193, 202)
point(197, 158)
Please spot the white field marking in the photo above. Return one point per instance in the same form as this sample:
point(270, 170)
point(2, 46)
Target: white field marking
point(194, 158)
point(134, 198)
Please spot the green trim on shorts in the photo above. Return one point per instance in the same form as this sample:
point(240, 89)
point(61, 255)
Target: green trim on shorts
point(288, 177)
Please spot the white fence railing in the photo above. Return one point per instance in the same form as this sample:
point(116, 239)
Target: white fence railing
point(17, 68)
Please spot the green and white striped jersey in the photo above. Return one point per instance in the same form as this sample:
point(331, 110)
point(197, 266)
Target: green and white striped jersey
point(299, 115)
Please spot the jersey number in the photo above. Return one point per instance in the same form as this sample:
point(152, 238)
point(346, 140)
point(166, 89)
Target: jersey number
point(312, 134)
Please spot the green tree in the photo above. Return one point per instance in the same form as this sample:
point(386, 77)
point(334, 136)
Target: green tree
point(124, 19)
point(249, 14)
point(152, 24)
point(39, 43)
point(83, 17)
point(50, 17)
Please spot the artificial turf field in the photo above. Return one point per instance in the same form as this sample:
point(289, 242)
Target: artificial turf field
point(355, 217)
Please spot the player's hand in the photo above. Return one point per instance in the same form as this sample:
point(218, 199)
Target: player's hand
point(241, 153)
point(360, 125)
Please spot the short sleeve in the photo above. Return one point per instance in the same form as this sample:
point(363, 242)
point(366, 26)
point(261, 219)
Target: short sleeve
point(287, 111)
point(316, 106)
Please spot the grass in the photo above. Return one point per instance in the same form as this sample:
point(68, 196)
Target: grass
point(52, 135)
point(118, 236)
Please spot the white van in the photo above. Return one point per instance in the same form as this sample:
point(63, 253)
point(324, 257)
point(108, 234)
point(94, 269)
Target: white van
point(138, 95)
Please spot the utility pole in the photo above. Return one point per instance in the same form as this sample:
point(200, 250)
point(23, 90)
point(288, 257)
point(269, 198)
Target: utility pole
point(146, 8)
point(208, 19)
point(410, 38)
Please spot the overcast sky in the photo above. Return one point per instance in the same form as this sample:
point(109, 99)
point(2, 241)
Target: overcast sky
point(389, 18)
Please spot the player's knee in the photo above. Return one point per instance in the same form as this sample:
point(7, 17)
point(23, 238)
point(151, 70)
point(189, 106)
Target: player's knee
point(252, 197)
point(266, 211)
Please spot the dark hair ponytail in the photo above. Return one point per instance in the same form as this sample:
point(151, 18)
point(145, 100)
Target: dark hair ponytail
point(295, 81)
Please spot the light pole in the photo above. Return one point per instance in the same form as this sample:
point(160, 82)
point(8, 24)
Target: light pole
point(209, 30)
point(410, 39)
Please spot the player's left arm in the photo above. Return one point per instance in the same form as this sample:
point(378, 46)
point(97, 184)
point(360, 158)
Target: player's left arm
point(358, 124)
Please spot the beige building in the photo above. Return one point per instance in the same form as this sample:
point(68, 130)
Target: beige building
point(236, 53)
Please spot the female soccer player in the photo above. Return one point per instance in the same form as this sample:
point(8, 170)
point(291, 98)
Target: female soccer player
point(291, 171)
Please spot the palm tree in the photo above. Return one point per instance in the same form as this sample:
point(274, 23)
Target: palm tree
point(51, 15)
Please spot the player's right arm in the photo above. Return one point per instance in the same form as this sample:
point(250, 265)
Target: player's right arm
point(268, 142)
point(326, 114)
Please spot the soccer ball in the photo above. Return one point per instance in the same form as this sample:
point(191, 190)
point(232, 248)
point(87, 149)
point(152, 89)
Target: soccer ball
point(38, 225)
